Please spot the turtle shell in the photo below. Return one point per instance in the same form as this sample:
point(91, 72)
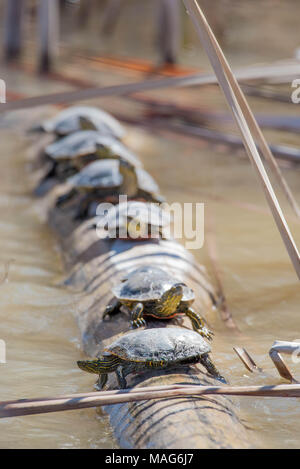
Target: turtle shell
point(88, 142)
point(99, 174)
point(169, 344)
point(146, 182)
point(148, 283)
point(79, 117)
point(147, 213)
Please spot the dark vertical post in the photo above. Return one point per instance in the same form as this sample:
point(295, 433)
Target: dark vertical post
point(13, 29)
point(111, 15)
point(84, 12)
point(48, 33)
point(169, 30)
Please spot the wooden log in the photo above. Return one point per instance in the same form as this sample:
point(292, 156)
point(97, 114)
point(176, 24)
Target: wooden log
point(13, 29)
point(96, 265)
point(48, 33)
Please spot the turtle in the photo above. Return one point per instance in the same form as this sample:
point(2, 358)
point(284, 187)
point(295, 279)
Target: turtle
point(72, 153)
point(135, 219)
point(151, 291)
point(101, 179)
point(138, 184)
point(98, 180)
point(79, 118)
point(157, 348)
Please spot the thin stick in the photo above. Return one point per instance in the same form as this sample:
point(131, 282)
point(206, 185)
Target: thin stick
point(247, 360)
point(242, 116)
point(30, 407)
point(288, 348)
point(218, 59)
point(251, 73)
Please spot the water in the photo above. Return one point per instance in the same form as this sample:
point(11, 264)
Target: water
point(37, 321)
point(262, 291)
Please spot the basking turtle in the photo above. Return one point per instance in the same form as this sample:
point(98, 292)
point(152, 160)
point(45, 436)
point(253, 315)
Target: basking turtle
point(98, 180)
point(150, 291)
point(75, 151)
point(80, 118)
point(138, 184)
point(161, 348)
point(135, 220)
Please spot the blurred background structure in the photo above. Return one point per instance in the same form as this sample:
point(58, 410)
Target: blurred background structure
point(48, 31)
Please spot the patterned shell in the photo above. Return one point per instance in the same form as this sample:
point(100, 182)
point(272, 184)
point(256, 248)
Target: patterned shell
point(148, 283)
point(150, 214)
point(171, 344)
point(88, 142)
point(78, 117)
point(98, 174)
point(146, 182)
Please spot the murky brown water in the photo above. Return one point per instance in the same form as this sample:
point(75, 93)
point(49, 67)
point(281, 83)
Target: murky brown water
point(37, 314)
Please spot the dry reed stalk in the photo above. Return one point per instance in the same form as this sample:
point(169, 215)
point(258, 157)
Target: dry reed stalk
point(249, 73)
point(245, 121)
point(288, 348)
point(82, 401)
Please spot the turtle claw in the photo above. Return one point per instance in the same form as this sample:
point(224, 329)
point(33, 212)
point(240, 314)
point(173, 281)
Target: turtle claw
point(206, 333)
point(138, 323)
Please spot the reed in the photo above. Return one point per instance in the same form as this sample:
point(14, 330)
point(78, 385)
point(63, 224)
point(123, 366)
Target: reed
point(283, 72)
point(248, 127)
point(82, 401)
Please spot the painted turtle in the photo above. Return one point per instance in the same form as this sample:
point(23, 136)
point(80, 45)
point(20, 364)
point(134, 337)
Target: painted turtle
point(134, 219)
point(72, 153)
point(98, 180)
point(104, 178)
point(159, 348)
point(151, 291)
point(81, 118)
point(138, 184)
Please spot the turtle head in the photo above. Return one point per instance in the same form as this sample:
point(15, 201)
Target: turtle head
point(126, 166)
point(85, 123)
point(130, 181)
point(91, 366)
point(171, 298)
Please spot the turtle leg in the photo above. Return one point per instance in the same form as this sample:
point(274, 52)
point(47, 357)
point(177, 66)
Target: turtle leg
point(83, 209)
point(112, 308)
point(137, 319)
point(121, 377)
point(208, 364)
point(102, 380)
point(62, 199)
point(198, 323)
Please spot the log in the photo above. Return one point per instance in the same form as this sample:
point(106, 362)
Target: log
point(94, 266)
